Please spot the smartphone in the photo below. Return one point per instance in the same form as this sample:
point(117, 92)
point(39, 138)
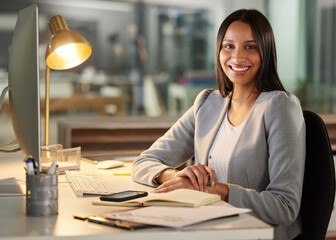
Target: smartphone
point(123, 196)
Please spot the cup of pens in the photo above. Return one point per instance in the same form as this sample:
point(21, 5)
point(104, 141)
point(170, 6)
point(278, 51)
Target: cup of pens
point(42, 191)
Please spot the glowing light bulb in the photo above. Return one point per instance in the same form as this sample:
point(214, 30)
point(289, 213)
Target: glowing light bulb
point(66, 51)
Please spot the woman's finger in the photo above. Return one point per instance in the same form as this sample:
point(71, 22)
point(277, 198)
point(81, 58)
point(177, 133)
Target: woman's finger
point(202, 176)
point(177, 183)
point(199, 175)
point(212, 176)
point(188, 172)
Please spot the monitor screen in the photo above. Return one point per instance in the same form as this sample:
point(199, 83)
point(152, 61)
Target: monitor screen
point(23, 82)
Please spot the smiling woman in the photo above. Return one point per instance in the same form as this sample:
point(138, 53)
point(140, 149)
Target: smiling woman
point(241, 137)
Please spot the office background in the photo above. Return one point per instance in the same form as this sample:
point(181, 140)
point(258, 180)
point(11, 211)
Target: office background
point(155, 56)
point(152, 57)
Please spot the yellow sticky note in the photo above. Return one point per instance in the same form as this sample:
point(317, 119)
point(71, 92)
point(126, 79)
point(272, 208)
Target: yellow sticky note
point(122, 173)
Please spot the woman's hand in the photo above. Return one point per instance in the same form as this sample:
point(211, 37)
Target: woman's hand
point(200, 176)
point(197, 177)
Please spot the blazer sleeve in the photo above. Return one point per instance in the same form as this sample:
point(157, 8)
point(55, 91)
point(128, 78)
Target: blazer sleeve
point(175, 147)
point(285, 131)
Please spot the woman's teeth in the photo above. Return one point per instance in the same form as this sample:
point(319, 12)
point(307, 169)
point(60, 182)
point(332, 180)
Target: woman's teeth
point(239, 69)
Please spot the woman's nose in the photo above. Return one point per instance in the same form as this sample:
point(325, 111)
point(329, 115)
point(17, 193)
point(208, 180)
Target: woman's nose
point(238, 56)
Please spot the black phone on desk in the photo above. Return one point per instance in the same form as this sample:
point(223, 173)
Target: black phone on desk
point(124, 196)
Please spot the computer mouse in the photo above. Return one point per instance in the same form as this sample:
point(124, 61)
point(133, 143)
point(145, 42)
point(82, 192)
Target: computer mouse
point(107, 164)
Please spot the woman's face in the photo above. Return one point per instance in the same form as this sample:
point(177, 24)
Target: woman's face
point(240, 56)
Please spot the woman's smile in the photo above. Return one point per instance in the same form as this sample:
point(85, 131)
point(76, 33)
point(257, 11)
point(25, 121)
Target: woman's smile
point(239, 69)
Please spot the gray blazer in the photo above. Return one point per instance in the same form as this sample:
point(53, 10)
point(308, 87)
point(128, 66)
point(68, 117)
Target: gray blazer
point(266, 171)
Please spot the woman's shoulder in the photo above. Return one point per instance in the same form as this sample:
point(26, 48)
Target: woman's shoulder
point(279, 97)
point(280, 104)
point(208, 96)
point(205, 93)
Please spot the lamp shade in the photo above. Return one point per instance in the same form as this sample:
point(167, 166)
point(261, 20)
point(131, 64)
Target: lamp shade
point(66, 49)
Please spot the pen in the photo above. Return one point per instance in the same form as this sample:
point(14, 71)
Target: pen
point(53, 167)
point(30, 167)
point(35, 167)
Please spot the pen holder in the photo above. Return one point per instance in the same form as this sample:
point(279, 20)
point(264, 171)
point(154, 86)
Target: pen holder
point(42, 194)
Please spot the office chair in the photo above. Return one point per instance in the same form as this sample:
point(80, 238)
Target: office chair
point(319, 180)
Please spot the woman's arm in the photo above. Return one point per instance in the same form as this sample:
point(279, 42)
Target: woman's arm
point(175, 147)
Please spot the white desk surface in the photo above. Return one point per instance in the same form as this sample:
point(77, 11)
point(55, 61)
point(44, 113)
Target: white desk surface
point(14, 223)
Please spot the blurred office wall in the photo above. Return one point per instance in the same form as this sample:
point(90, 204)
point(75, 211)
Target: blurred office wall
point(157, 55)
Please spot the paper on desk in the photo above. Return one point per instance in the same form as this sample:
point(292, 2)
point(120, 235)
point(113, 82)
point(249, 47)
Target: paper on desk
point(176, 217)
point(9, 188)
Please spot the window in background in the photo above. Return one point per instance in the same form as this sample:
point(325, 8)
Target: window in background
point(155, 58)
point(149, 58)
point(180, 46)
point(306, 47)
point(102, 85)
point(318, 90)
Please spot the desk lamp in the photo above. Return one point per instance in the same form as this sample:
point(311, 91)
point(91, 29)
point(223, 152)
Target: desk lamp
point(66, 49)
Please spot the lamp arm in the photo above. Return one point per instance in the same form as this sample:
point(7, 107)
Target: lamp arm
point(47, 89)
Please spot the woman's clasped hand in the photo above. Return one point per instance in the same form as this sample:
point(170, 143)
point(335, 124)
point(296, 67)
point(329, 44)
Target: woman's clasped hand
point(198, 177)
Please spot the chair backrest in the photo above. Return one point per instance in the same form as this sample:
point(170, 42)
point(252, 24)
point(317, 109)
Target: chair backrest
point(319, 179)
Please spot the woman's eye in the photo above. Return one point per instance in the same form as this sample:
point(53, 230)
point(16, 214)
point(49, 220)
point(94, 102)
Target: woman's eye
point(228, 46)
point(251, 47)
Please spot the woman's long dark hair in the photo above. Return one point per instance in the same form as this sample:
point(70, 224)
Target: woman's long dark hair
point(267, 76)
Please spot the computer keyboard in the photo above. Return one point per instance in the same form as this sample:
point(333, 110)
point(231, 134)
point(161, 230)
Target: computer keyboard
point(87, 183)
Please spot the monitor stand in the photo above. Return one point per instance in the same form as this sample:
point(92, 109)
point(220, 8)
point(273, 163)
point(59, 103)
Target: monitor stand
point(15, 142)
point(3, 95)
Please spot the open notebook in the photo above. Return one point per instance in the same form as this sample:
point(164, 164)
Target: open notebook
point(178, 198)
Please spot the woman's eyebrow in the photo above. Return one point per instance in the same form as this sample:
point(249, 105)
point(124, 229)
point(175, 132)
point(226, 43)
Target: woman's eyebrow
point(248, 41)
point(251, 41)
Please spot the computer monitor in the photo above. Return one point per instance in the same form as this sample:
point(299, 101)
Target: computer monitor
point(23, 82)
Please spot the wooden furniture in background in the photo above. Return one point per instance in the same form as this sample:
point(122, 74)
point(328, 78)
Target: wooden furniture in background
point(106, 134)
point(78, 102)
point(330, 122)
point(81, 102)
point(331, 235)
